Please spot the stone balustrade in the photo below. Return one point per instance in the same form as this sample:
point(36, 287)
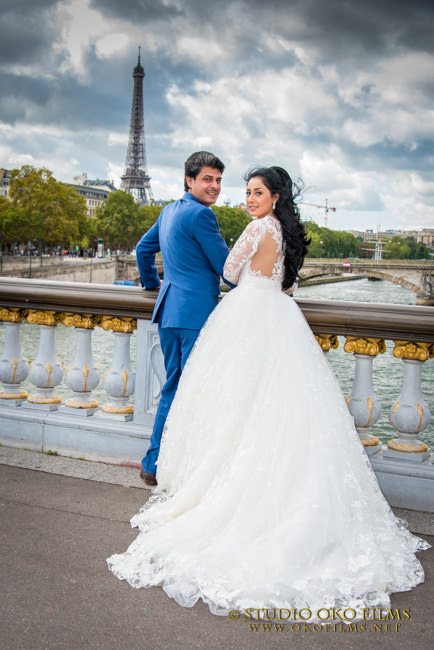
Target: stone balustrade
point(118, 432)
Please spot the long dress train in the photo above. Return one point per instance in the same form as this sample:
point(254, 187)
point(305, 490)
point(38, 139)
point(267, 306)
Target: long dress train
point(265, 497)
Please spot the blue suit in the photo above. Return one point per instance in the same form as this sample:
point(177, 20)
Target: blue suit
point(194, 253)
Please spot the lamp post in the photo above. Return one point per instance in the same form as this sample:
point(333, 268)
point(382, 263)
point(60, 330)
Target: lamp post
point(42, 241)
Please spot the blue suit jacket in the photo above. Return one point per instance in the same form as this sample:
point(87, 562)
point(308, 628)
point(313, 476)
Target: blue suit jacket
point(194, 253)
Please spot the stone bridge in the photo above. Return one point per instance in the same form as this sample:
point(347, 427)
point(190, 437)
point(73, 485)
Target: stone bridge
point(416, 276)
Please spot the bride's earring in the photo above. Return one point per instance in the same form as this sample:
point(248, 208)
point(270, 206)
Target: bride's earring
point(274, 205)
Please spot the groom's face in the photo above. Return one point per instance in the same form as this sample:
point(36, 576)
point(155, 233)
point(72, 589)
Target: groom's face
point(206, 186)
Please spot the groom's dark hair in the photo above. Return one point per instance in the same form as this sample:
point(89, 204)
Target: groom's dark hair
point(197, 160)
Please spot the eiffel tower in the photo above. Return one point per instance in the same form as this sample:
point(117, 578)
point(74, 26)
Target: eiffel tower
point(136, 180)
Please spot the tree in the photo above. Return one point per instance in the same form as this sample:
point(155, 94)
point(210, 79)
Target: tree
point(331, 243)
point(117, 221)
point(148, 215)
point(13, 223)
point(54, 212)
point(232, 222)
point(406, 249)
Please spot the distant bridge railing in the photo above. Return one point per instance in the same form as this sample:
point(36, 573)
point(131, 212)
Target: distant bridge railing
point(415, 275)
point(119, 431)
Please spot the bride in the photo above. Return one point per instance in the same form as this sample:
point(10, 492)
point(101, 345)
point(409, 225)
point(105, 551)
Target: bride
point(265, 496)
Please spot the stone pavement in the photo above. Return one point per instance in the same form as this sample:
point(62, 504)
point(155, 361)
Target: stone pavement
point(62, 517)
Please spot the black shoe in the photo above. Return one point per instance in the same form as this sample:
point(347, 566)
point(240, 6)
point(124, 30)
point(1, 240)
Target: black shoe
point(148, 477)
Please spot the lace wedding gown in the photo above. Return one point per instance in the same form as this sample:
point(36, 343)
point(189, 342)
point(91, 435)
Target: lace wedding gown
point(265, 496)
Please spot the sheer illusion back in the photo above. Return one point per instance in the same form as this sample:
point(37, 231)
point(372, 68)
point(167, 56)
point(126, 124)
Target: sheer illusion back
point(259, 251)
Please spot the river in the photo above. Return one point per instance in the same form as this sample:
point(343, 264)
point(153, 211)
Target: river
point(388, 371)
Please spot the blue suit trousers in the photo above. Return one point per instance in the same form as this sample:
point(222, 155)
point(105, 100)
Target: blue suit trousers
point(176, 344)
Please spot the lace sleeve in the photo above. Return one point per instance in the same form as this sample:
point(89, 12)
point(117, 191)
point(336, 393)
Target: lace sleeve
point(243, 250)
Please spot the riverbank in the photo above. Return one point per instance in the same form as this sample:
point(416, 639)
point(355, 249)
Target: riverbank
point(329, 279)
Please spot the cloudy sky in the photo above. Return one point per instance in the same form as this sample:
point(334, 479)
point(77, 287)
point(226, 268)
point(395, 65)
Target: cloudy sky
point(340, 92)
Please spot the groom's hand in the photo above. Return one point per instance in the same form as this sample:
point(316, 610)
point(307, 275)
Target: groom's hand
point(153, 288)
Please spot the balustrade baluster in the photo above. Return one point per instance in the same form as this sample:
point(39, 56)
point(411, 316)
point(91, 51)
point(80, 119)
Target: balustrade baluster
point(13, 367)
point(81, 375)
point(45, 371)
point(410, 414)
point(362, 402)
point(119, 379)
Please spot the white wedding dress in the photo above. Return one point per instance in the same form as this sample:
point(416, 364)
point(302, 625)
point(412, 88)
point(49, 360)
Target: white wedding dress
point(265, 496)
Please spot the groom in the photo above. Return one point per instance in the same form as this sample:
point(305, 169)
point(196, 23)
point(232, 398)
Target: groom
point(194, 253)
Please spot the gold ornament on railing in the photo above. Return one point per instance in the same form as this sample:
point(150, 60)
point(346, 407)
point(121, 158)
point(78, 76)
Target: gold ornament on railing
point(85, 321)
point(48, 318)
point(368, 346)
point(13, 314)
point(419, 448)
point(116, 324)
point(327, 341)
point(415, 351)
point(34, 399)
point(118, 410)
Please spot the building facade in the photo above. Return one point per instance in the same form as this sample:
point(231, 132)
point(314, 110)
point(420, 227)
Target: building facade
point(94, 191)
point(5, 175)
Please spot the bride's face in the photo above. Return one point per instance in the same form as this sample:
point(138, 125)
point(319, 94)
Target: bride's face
point(259, 199)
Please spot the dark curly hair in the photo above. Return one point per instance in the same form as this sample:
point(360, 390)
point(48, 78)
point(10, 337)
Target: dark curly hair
point(295, 242)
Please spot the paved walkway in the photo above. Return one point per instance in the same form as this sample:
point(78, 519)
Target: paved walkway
point(62, 517)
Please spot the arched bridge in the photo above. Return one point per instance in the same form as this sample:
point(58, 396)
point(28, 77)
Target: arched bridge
point(416, 276)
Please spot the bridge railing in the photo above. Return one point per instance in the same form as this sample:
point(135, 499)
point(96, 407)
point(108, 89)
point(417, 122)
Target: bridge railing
point(118, 430)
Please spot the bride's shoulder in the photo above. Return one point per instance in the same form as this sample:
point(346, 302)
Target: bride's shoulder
point(272, 224)
point(255, 227)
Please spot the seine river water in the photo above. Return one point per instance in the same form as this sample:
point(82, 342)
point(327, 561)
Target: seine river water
point(388, 371)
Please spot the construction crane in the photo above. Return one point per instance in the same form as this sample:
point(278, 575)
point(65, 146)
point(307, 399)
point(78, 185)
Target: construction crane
point(325, 207)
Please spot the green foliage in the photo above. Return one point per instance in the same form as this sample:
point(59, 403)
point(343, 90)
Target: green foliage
point(232, 222)
point(331, 243)
point(5, 219)
point(117, 221)
point(43, 208)
point(335, 243)
point(148, 215)
point(13, 222)
point(121, 222)
point(406, 249)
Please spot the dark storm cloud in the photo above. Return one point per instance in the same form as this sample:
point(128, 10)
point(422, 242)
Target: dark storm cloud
point(105, 103)
point(138, 10)
point(61, 102)
point(26, 30)
point(111, 91)
point(337, 27)
point(371, 26)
